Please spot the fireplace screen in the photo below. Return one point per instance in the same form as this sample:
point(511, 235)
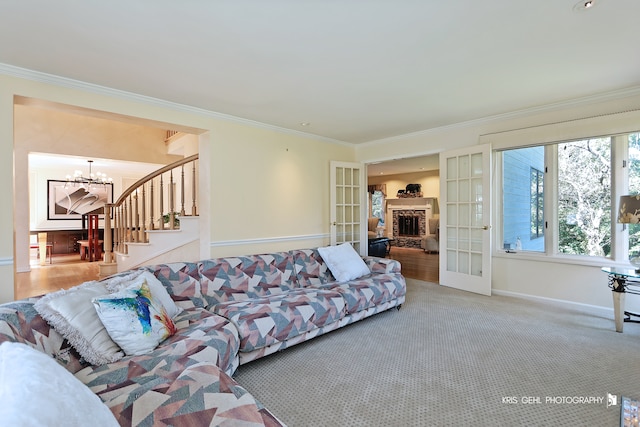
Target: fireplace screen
point(408, 225)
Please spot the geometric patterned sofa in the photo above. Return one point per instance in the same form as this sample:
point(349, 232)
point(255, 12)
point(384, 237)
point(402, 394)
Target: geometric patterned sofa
point(236, 309)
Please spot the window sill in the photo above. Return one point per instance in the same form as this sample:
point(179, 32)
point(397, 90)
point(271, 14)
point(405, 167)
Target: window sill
point(561, 259)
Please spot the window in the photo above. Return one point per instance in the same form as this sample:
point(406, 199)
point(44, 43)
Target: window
point(537, 203)
point(634, 188)
point(520, 207)
point(584, 197)
point(576, 217)
point(377, 205)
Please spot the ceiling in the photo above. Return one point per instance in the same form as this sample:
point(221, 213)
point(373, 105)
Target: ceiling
point(351, 71)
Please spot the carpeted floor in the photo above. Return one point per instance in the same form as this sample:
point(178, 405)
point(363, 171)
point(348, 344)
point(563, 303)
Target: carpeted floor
point(450, 358)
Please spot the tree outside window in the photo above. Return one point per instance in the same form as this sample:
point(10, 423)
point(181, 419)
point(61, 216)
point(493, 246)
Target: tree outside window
point(537, 203)
point(377, 205)
point(584, 197)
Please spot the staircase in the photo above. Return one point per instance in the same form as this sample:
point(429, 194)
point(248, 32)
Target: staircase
point(143, 226)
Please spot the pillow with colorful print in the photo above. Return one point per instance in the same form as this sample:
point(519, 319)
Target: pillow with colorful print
point(135, 317)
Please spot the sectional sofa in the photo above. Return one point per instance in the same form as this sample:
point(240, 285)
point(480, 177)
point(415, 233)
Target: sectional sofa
point(224, 312)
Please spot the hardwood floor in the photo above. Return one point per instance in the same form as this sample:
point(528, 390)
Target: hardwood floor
point(417, 264)
point(68, 270)
point(64, 272)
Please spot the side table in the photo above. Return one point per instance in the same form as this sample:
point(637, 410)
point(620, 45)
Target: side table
point(623, 281)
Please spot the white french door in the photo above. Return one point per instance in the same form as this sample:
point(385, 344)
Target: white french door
point(348, 205)
point(465, 215)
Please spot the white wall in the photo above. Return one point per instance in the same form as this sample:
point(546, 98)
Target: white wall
point(543, 278)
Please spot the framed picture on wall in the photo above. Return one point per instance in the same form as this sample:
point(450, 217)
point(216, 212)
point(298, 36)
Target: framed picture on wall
point(70, 200)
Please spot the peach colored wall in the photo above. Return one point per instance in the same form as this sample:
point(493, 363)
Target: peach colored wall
point(45, 130)
point(48, 131)
point(276, 190)
point(261, 189)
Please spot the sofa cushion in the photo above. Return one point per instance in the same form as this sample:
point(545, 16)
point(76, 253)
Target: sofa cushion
point(185, 381)
point(369, 291)
point(277, 318)
point(29, 380)
point(20, 322)
point(136, 317)
point(72, 314)
point(311, 270)
point(182, 281)
point(344, 262)
point(175, 393)
point(240, 278)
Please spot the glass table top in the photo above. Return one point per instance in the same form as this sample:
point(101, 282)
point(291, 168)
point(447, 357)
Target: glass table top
point(622, 271)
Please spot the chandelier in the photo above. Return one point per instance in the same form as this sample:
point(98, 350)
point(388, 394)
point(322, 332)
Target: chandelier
point(92, 179)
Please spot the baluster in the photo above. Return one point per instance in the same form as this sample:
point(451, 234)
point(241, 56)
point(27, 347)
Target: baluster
point(132, 234)
point(107, 234)
point(182, 213)
point(194, 210)
point(123, 235)
point(125, 222)
point(136, 217)
point(116, 229)
point(161, 219)
point(144, 216)
point(151, 206)
point(172, 205)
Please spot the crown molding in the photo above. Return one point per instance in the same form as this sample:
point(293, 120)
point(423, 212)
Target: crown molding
point(606, 96)
point(40, 77)
point(52, 79)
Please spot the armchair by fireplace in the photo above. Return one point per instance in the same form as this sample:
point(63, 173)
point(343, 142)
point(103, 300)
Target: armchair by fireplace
point(431, 241)
point(372, 225)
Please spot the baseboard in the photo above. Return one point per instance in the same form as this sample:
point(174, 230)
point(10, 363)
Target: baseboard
point(596, 309)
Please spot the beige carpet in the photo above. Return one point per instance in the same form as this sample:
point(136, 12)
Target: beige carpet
point(451, 358)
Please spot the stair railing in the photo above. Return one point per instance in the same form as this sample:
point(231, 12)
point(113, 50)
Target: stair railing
point(141, 207)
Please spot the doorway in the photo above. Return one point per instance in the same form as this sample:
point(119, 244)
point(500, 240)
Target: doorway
point(66, 137)
point(391, 178)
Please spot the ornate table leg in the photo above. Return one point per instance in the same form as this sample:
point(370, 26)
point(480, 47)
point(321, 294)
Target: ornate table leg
point(618, 288)
point(618, 309)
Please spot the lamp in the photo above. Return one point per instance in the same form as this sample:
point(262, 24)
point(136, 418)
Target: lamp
point(629, 213)
point(98, 178)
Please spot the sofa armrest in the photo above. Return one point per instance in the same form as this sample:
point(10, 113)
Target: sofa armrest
point(382, 265)
point(20, 322)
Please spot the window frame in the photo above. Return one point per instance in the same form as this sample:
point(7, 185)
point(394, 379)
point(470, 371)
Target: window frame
point(537, 223)
point(619, 186)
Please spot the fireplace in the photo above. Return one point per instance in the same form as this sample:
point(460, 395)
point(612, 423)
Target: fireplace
point(409, 226)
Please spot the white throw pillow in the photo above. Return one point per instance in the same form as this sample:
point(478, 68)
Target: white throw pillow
point(135, 317)
point(36, 391)
point(344, 262)
point(155, 286)
point(72, 314)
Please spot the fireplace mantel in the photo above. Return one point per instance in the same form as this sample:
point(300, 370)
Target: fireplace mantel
point(413, 203)
point(419, 207)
